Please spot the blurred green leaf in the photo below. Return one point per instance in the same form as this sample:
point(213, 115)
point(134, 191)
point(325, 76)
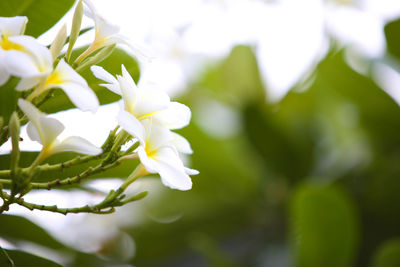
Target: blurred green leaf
point(349, 118)
point(42, 14)
point(392, 33)
point(8, 99)
point(15, 228)
point(211, 250)
point(112, 64)
point(228, 185)
point(324, 227)
point(388, 254)
point(21, 258)
point(235, 80)
point(284, 152)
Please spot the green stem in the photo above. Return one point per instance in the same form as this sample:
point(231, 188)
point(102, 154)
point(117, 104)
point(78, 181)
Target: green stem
point(75, 179)
point(54, 208)
point(59, 166)
point(113, 195)
point(10, 261)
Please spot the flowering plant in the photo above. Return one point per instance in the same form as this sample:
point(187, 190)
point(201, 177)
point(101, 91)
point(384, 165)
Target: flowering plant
point(147, 117)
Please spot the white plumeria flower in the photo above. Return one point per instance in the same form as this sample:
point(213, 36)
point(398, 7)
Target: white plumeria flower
point(106, 34)
point(20, 55)
point(66, 78)
point(138, 101)
point(157, 151)
point(45, 130)
point(145, 100)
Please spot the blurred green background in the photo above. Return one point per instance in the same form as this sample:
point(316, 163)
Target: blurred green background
point(312, 180)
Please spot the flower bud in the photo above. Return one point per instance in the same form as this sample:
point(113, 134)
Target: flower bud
point(58, 42)
point(76, 27)
point(14, 132)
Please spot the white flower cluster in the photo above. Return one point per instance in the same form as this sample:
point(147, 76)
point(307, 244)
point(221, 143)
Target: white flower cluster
point(147, 113)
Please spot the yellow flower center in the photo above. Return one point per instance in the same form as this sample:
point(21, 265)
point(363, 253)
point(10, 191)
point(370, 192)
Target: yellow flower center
point(150, 152)
point(6, 44)
point(54, 78)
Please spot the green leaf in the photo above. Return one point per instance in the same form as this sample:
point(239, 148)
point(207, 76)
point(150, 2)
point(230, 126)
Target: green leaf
point(284, 152)
point(42, 14)
point(388, 254)
point(324, 227)
point(8, 99)
point(235, 80)
point(112, 64)
point(21, 258)
point(344, 116)
point(392, 33)
point(16, 229)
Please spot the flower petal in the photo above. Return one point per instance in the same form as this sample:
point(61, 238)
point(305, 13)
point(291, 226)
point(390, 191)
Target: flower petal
point(190, 171)
point(157, 135)
point(75, 144)
point(47, 128)
point(103, 28)
point(29, 59)
point(176, 116)
point(82, 96)
point(32, 132)
point(20, 64)
point(141, 53)
point(102, 74)
point(10, 26)
point(149, 164)
point(174, 177)
point(181, 144)
point(132, 125)
point(146, 108)
point(67, 73)
point(31, 111)
point(129, 89)
point(27, 83)
point(4, 75)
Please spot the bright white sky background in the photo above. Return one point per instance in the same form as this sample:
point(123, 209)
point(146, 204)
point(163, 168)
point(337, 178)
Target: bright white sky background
point(288, 36)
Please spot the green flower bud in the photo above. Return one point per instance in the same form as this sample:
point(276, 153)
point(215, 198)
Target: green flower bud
point(14, 132)
point(76, 27)
point(58, 42)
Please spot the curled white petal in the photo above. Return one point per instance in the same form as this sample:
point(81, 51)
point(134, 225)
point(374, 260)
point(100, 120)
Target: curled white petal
point(26, 57)
point(10, 26)
point(75, 144)
point(47, 128)
point(149, 164)
point(181, 144)
point(156, 135)
point(190, 171)
point(82, 96)
point(176, 116)
point(74, 86)
point(28, 83)
point(32, 132)
point(102, 74)
point(103, 28)
point(20, 64)
point(128, 89)
point(132, 125)
point(174, 178)
point(171, 170)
